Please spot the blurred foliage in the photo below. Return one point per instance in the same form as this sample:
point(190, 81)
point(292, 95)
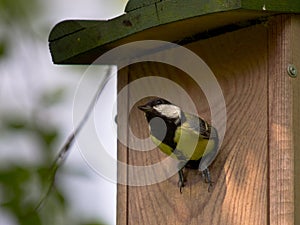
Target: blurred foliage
point(50, 98)
point(22, 185)
point(2, 48)
point(19, 11)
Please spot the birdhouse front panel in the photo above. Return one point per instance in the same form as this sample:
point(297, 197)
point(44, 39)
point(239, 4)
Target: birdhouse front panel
point(239, 60)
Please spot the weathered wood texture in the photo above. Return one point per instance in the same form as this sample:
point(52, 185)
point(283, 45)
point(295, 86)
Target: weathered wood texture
point(295, 48)
point(284, 148)
point(239, 60)
point(122, 104)
point(280, 123)
point(135, 4)
point(256, 174)
point(240, 196)
point(85, 42)
point(281, 6)
point(81, 41)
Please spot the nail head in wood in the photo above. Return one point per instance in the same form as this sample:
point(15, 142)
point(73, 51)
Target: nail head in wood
point(292, 71)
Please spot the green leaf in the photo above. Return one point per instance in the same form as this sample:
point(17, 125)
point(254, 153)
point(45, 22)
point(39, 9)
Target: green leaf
point(3, 48)
point(52, 97)
point(16, 124)
point(18, 10)
point(48, 136)
point(32, 218)
point(93, 223)
point(14, 175)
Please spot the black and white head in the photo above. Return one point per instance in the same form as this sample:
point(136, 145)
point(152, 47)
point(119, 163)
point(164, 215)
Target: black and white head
point(159, 107)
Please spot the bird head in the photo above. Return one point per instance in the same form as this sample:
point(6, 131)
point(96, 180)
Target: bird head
point(159, 107)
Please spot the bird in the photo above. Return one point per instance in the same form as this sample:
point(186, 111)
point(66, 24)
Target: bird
point(184, 136)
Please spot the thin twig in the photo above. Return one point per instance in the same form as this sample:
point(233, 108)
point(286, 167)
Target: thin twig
point(65, 149)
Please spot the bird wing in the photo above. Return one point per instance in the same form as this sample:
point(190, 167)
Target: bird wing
point(195, 138)
point(197, 125)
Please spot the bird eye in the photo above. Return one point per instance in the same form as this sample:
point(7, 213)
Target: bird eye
point(158, 102)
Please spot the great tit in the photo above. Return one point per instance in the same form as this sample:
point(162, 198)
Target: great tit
point(184, 136)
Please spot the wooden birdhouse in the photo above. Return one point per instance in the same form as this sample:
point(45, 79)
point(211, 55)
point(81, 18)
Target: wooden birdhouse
point(252, 48)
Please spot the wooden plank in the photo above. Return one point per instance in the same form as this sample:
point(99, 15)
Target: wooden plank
point(295, 49)
point(135, 4)
point(88, 39)
point(86, 45)
point(286, 6)
point(81, 42)
point(69, 27)
point(122, 189)
point(162, 203)
point(280, 6)
point(168, 10)
point(281, 158)
point(239, 61)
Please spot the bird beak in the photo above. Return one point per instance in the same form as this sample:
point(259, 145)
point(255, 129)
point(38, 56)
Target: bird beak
point(145, 108)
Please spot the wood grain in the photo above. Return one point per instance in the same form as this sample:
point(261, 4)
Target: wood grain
point(295, 49)
point(239, 61)
point(122, 189)
point(281, 158)
point(135, 4)
point(82, 42)
point(256, 173)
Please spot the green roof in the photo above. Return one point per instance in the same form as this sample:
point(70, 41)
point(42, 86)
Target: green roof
point(82, 41)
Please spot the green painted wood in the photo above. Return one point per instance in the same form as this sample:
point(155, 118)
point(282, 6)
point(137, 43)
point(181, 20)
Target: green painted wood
point(169, 11)
point(88, 38)
point(135, 4)
point(68, 27)
point(83, 41)
point(288, 6)
point(273, 5)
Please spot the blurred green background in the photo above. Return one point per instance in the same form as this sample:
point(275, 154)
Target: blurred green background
point(35, 110)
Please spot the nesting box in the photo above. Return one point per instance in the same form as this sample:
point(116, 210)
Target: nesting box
point(253, 50)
